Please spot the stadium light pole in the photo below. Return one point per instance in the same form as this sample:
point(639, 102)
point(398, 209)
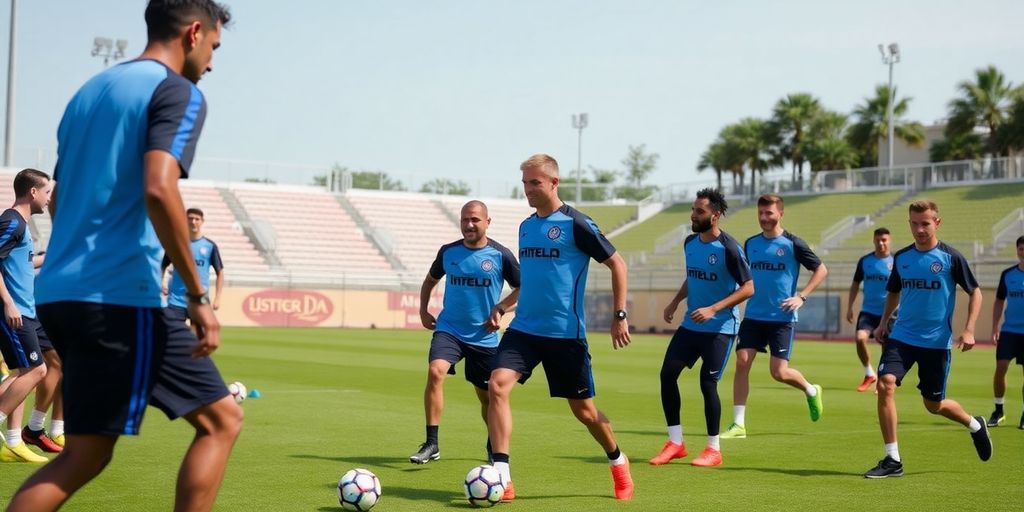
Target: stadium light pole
point(9, 121)
point(579, 122)
point(890, 56)
point(108, 49)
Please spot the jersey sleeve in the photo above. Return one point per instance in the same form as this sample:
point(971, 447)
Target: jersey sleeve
point(509, 268)
point(858, 275)
point(804, 255)
point(895, 283)
point(177, 112)
point(437, 267)
point(590, 240)
point(962, 274)
point(215, 262)
point(1001, 290)
point(12, 230)
point(736, 263)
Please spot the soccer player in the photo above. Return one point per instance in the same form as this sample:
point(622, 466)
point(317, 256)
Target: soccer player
point(21, 333)
point(206, 256)
point(923, 284)
point(717, 279)
point(477, 267)
point(555, 247)
point(873, 270)
point(126, 138)
point(1010, 339)
point(775, 257)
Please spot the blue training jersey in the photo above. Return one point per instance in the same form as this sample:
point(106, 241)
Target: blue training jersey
point(207, 257)
point(1011, 289)
point(926, 282)
point(103, 248)
point(473, 287)
point(874, 273)
point(554, 254)
point(16, 261)
point(775, 265)
point(714, 270)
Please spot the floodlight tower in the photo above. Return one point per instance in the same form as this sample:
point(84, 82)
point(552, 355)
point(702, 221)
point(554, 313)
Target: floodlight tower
point(890, 56)
point(579, 122)
point(9, 121)
point(106, 48)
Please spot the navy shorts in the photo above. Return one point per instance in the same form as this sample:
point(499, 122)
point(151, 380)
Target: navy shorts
point(868, 322)
point(479, 360)
point(758, 334)
point(1011, 345)
point(566, 362)
point(176, 313)
point(22, 347)
point(712, 347)
point(118, 359)
point(932, 366)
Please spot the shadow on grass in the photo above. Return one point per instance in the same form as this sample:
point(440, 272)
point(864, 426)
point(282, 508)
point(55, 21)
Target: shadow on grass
point(373, 461)
point(794, 471)
point(655, 433)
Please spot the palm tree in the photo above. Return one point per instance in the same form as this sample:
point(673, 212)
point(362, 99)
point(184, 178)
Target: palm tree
point(872, 124)
point(827, 147)
point(984, 102)
point(791, 118)
point(714, 158)
point(1012, 134)
point(753, 140)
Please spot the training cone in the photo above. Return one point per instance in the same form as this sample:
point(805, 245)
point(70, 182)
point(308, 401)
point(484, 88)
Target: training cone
point(255, 393)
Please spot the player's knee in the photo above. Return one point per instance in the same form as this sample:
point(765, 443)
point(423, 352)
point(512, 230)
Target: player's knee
point(670, 372)
point(778, 374)
point(436, 374)
point(587, 415)
point(498, 388)
point(708, 385)
point(932, 406)
point(36, 374)
point(886, 384)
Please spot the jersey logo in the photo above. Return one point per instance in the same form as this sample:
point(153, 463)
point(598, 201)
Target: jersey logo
point(712, 259)
point(203, 251)
point(780, 252)
point(554, 232)
point(889, 266)
point(487, 265)
point(936, 267)
point(33, 356)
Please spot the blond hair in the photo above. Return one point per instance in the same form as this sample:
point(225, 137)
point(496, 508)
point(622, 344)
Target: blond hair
point(545, 163)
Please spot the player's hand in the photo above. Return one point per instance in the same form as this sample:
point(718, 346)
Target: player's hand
point(670, 311)
point(881, 332)
point(620, 333)
point(792, 304)
point(701, 315)
point(216, 304)
point(428, 320)
point(13, 315)
point(966, 341)
point(207, 329)
point(494, 321)
point(164, 290)
point(849, 316)
point(995, 337)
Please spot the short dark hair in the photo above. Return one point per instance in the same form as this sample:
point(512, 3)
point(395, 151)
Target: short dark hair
point(195, 211)
point(715, 199)
point(165, 18)
point(770, 199)
point(882, 231)
point(28, 179)
point(1020, 240)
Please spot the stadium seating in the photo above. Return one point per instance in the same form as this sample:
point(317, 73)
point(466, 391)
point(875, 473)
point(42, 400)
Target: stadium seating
point(414, 225)
point(506, 215)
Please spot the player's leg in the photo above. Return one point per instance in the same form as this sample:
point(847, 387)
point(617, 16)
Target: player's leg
point(46, 393)
point(678, 355)
point(866, 324)
point(894, 364)
point(217, 426)
point(933, 370)
point(600, 429)
point(999, 391)
point(83, 458)
point(780, 345)
point(516, 358)
point(478, 367)
point(21, 346)
point(716, 350)
point(445, 350)
point(751, 340)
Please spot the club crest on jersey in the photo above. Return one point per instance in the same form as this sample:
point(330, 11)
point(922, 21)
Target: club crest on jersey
point(487, 265)
point(712, 259)
point(889, 266)
point(936, 267)
point(203, 251)
point(780, 252)
point(554, 232)
point(33, 356)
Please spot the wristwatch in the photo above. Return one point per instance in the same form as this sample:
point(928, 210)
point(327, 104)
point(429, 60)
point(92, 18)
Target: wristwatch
point(620, 314)
point(201, 299)
point(802, 297)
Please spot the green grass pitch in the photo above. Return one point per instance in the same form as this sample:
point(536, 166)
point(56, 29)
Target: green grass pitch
point(338, 399)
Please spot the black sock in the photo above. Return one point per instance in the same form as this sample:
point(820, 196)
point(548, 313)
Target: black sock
point(432, 433)
point(500, 457)
point(614, 455)
point(999, 408)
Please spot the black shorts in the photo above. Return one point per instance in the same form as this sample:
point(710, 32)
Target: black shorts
point(22, 347)
point(1011, 345)
point(176, 313)
point(758, 334)
point(479, 360)
point(712, 347)
point(932, 367)
point(119, 358)
point(566, 362)
point(868, 322)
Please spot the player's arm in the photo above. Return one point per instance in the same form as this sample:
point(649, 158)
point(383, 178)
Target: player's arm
point(966, 340)
point(11, 312)
point(892, 301)
point(165, 277)
point(167, 214)
point(217, 264)
point(854, 290)
point(506, 305)
point(997, 316)
point(38, 259)
point(620, 288)
point(220, 288)
point(673, 305)
point(426, 288)
point(810, 261)
point(744, 292)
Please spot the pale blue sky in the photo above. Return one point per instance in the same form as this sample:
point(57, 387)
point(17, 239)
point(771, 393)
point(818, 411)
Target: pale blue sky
point(468, 89)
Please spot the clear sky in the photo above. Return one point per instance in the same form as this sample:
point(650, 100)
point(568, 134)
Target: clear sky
point(467, 89)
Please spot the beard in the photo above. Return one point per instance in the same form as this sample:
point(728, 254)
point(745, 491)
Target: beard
point(700, 227)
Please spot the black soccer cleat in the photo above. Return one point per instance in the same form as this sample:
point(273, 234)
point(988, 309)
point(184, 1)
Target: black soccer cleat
point(982, 441)
point(426, 453)
point(996, 418)
point(886, 467)
point(1021, 426)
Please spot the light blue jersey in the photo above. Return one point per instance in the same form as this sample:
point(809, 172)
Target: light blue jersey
point(714, 270)
point(554, 255)
point(103, 248)
point(874, 273)
point(16, 261)
point(207, 257)
point(473, 287)
point(926, 282)
point(775, 265)
point(1011, 289)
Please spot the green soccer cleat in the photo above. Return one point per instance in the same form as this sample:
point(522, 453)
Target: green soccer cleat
point(814, 404)
point(735, 431)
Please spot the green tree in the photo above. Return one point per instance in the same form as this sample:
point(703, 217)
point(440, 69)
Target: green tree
point(639, 164)
point(958, 146)
point(446, 186)
point(791, 120)
point(752, 140)
point(319, 181)
point(1012, 134)
point(871, 124)
point(375, 180)
point(985, 102)
point(827, 147)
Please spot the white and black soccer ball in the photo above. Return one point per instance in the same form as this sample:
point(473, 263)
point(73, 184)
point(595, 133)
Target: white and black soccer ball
point(358, 489)
point(238, 391)
point(484, 486)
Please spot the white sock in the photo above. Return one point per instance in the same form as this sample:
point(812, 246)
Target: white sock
point(36, 421)
point(975, 425)
point(675, 434)
point(893, 451)
point(739, 413)
point(56, 428)
point(13, 437)
point(1000, 400)
point(811, 390)
point(869, 371)
point(713, 443)
point(619, 461)
point(504, 469)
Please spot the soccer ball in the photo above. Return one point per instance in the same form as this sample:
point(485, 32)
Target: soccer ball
point(484, 486)
point(237, 390)
point(358, 489)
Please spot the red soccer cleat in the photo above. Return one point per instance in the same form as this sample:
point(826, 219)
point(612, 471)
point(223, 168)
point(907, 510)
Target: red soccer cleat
point(868, 382)
point(623, 481)
point(668, 452)
point(510, 492)
point(709, 457)
point(41, 440)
